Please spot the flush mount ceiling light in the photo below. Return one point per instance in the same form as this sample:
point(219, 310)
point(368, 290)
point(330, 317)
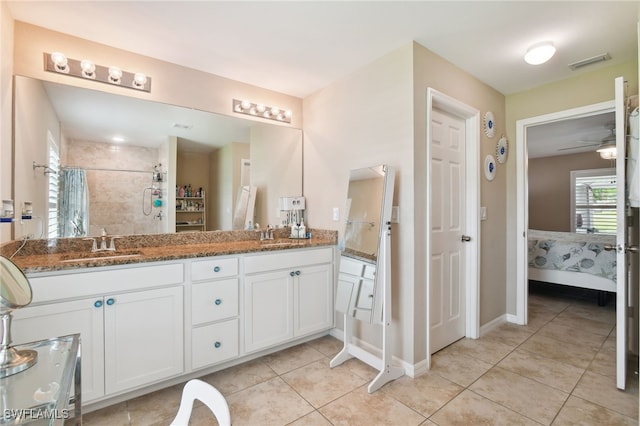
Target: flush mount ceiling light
point(262, 111)
point(539, 53)
point(59, 63)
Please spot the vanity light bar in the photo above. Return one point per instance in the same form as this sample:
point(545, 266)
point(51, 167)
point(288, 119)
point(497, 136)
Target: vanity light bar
point(262, 111)
point(57, 62)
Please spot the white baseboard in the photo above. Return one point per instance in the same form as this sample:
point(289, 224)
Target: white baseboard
point(493, 324)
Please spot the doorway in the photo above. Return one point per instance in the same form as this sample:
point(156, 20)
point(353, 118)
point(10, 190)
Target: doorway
point(459, 246)
point(522, 184)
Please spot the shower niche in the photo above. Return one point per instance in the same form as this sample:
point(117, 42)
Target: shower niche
point(364, 281)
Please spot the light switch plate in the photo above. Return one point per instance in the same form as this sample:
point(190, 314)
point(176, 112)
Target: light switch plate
point(395, 214)
point(483, 213)
point(336, 214)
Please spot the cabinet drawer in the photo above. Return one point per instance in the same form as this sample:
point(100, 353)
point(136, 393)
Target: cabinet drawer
point(214, 301)
point(89, 283)
point(214, 343)
point(365, 295)
point(214, 268)
point(287, 259)
point(351, 266)
point(369, 272)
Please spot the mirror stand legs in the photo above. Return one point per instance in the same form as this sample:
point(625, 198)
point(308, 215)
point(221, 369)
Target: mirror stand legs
point(350, 350)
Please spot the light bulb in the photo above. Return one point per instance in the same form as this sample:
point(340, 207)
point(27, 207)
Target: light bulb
point(288, 114)
point(115, 74)
point(260, 108)
point(245, 104)
point(60, 61)
point(139, 80)
point(540, 53)
point(88, 68)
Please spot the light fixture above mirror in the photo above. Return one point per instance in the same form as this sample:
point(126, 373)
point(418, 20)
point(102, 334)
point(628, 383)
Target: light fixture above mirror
point(59, 63)
point(262, 111)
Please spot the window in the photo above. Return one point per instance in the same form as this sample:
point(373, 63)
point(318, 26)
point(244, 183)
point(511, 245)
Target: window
point(52, 186)
point(593, 201)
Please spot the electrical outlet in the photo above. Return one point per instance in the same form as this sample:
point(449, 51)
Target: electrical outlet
point(336, 214)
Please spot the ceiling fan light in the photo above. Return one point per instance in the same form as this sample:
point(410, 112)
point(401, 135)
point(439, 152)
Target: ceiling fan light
point(540, 53)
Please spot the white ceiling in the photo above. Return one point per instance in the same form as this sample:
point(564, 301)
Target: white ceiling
point(299, 47)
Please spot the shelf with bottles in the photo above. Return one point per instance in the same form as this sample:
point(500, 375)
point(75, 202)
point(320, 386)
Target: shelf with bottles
point(190, 205)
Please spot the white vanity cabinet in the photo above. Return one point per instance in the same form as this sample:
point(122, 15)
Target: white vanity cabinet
point(130, 322)
point(286, 295)
point(214, 311)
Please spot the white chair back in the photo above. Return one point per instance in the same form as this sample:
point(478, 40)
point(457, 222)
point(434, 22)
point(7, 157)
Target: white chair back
point(210, 396)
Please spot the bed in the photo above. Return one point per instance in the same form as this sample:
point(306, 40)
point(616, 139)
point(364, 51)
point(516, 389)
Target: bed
point(567, 258)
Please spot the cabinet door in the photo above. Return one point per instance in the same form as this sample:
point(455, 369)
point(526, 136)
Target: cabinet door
point(269, 309)
point(313, 295)
point(143, 337)
point(59, 319)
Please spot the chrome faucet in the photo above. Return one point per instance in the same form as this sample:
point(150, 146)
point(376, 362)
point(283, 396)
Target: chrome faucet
point(103, 242)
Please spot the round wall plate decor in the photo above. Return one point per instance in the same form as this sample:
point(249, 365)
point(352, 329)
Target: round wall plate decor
point(489, 124)
point(489, 167)
point(502, 147)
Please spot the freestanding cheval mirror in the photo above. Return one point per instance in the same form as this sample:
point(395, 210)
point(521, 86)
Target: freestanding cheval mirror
point(364, 280)
point(15, 292)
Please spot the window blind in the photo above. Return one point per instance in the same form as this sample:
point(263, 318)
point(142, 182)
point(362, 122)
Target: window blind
point(595, 203)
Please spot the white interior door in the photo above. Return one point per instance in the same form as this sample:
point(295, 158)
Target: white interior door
point(621, 239)
point(448, 225)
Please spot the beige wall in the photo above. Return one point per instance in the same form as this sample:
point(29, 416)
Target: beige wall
point(225, 182)
point(277, 177)
point(585, 89)
point(377, 115)
point(33, 148)
point(6, 116)
point(550, 188)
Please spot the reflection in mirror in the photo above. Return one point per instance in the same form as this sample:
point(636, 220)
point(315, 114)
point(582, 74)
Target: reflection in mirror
point(364, 263)
point(67, 128)
point(364, 207)
point(244, 211)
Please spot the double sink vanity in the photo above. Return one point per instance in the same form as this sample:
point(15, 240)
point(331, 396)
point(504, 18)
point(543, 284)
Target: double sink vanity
point(164, 308)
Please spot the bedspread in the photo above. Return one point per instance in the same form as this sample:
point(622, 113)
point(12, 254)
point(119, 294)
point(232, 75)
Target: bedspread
point(572, 252)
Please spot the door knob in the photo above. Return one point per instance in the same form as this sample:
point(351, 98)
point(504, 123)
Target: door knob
point(610, 247)
point(631, 249)
point(465, 238)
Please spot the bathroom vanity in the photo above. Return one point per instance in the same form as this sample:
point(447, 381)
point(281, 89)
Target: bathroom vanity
point(148, 323)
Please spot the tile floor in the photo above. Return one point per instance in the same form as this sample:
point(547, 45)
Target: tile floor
point(559, 369)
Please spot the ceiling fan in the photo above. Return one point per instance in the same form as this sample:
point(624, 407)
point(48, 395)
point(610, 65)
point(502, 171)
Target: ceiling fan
point(605, 143)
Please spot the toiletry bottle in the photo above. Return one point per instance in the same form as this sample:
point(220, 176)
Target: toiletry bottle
point(181, 192)
point(302, 230)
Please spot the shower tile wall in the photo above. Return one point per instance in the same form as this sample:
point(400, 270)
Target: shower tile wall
point(116, 198)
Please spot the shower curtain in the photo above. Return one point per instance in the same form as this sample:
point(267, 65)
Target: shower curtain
point(73, 206)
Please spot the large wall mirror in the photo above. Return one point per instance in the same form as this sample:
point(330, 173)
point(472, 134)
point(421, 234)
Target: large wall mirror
point(364, 259)
point(129, 187)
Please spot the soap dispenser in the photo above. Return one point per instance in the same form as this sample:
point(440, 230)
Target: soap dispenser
point(302, 230)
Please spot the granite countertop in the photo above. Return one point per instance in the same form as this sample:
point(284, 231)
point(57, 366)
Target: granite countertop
point(73, 253)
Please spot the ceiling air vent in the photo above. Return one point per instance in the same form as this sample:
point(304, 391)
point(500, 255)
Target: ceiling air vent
point(589, 61)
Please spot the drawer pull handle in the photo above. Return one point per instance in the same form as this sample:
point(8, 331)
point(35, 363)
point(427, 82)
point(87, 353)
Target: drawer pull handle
point(216, 269)
point(217, 344)
point(297, 272)
point(218, 302)
point(110, 301)
point(292, 273)
point(98, 303)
